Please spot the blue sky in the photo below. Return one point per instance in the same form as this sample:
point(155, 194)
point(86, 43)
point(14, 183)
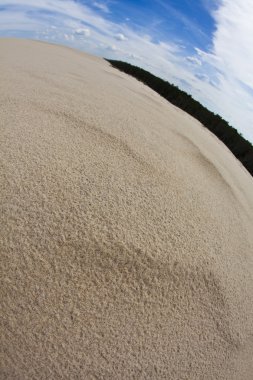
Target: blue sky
point(203, 46)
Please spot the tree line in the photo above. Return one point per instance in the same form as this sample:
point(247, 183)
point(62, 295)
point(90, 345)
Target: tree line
point(239, 146)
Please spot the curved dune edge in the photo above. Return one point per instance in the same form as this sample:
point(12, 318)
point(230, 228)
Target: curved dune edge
point(127, 229)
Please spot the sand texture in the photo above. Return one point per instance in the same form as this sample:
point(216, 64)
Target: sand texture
point(126, 229)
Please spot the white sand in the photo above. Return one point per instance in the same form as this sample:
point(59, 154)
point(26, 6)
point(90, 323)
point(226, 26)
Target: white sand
point(126, 229)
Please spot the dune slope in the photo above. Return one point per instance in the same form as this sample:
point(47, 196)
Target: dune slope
point(126, 229)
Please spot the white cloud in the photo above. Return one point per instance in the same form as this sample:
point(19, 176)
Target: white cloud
point(194, 60)
point(134, 56)
point(233, 38)
point(120, 37)
point(103, 7)
point(68, 37)
point(83, 32)
point(112, 47)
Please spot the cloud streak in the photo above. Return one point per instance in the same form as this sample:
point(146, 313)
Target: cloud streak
point(103, 7)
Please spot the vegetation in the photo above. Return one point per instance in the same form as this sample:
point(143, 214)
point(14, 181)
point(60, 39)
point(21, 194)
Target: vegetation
point(239, 146)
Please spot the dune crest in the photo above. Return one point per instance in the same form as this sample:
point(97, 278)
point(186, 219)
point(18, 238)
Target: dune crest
point(126, 229)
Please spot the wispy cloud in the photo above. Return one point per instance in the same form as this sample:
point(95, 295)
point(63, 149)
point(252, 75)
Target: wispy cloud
point(194, 60)
point(187, 22)
point(102, 6)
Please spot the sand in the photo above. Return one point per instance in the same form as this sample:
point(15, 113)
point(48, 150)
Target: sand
point(126, 229)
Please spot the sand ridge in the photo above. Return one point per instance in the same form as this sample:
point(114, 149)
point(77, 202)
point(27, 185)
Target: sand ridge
point(126, 229)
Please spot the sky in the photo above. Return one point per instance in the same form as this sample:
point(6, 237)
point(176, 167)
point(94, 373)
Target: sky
point(203, 46)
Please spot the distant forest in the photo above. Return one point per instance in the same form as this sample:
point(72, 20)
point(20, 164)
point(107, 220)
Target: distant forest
point(239, 146)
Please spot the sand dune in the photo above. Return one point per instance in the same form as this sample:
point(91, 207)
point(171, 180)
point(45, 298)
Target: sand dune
point(126, 229)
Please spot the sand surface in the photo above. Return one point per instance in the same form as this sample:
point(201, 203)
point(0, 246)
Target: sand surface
point(126, 229)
